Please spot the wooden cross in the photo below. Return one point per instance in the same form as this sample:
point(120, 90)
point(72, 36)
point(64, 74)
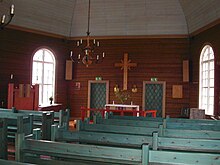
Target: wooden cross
point(125, 65)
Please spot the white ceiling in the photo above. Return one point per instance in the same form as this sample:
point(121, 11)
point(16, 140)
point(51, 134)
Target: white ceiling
point(113, 17)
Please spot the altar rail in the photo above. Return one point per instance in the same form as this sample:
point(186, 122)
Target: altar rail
point(85, 111)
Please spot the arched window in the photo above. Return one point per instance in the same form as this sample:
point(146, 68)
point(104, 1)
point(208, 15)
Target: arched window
point(43, 73)
point(206, 83)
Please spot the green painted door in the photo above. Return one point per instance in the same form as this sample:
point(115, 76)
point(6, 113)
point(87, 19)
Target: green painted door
point(154, 96)
point(98, 95)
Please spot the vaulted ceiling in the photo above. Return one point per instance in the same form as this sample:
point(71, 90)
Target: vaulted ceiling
point(113, 17)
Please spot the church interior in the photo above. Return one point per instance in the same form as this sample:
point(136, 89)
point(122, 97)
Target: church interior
point(153, 59)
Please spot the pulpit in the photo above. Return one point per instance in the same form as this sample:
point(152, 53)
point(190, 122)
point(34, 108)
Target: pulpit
point(25, 96)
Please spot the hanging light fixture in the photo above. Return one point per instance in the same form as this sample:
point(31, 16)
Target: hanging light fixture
point(6, 19)
point(88, 49)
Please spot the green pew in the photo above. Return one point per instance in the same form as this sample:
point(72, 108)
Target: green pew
point(10, 162)
point(194, 134)
point(33, 151)
point(61, 118)
point(141, 118)
point(191, 125)
point(29, 150)
point(100, 138)
point(197, 134)
point(17, 123)
point(185, 144)
point(85, 126)
point(153, 124)
point(3, 139)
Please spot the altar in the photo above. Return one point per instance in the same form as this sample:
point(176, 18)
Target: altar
point(126, 108)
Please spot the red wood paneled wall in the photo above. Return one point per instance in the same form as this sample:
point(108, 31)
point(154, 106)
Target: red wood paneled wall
point(155, 57)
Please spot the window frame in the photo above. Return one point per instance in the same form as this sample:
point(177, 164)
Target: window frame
point(202, 79)
point(42, 84)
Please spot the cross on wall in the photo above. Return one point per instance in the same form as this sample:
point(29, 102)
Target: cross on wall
point(125, 66)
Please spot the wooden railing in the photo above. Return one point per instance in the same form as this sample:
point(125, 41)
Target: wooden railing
point(86, 111)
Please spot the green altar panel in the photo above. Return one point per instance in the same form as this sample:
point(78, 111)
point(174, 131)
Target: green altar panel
point(154, 98)
point(98, 96)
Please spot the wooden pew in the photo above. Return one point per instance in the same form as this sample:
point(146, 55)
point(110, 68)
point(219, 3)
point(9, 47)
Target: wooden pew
point(10, 162)
point(61, 118)
point(195, 134)
point(181, 157)
point(29, 150)
point(141, 118)
point(3, 139)
point(85, 126)
point(191, 125)
point(153, 124)
point(100, 138)
point(185, 144)
point(44, 119)
point(166, 123)
point(17, 123)
point(168, 119)
point(65, 153)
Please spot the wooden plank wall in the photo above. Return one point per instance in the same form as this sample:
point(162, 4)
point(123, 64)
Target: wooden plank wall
point(161, 58)
point(156, 57)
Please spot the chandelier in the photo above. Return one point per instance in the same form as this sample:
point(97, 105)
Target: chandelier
point(88, 49)
point(5, 20)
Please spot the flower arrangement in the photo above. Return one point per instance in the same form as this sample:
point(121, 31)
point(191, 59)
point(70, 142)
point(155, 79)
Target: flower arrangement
point(51, 99)
point(122, 95)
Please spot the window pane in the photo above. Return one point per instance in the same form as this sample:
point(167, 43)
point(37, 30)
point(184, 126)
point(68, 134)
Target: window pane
point(48, 73)
point(37, 73)
point(38, 56)
point(48, 57)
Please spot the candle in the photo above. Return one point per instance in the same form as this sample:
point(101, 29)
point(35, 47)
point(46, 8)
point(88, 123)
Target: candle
point(79, 56)
point(103, 54)
point(81, 41)
point(12, 12)
point(94, 41)
point(98, 43)
point(11, 76)
point(3, 19)
point(97, 57)
point(77, 43)
point(71, 53)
